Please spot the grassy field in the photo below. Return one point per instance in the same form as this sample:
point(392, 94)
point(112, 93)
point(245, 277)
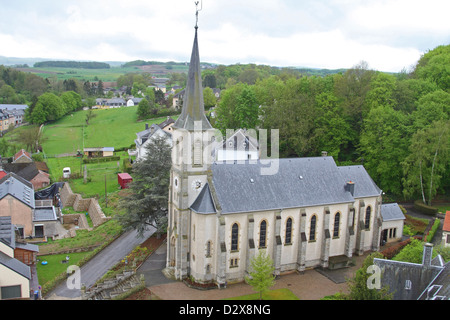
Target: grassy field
point(110, 128)
point(106, 75)
point(54, 266)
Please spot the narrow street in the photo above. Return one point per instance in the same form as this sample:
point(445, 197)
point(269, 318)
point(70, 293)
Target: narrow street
point(100, 264)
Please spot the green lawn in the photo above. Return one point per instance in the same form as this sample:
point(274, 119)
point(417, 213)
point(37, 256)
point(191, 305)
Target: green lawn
point(54, 266)
point(279, 294)
point(110, 128)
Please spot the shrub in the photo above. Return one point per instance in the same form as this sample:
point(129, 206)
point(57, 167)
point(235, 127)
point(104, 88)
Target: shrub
point(429, 237)
point(420, 206)
point(391, 252)
point(104, 159)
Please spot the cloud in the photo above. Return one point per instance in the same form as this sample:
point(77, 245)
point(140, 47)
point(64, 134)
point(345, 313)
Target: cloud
point(389, 35)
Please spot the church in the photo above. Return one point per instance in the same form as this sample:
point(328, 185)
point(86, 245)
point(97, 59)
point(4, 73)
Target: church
point(308, 213)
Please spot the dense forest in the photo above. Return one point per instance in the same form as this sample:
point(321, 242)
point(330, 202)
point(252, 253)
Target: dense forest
point(396, 125)
point(72, 64)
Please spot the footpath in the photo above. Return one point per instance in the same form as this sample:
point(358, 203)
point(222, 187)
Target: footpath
point(311, 285)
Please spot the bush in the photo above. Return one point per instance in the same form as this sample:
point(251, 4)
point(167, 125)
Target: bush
point(413, 252)
point(429, 237)
point(391, 252)
point(421, 207)
point(104, 159)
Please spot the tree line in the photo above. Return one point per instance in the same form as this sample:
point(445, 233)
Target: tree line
point(72, 64)
point(397, 126)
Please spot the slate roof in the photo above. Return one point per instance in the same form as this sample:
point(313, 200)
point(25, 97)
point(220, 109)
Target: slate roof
point(204, 202)
point(299, 182)
point(193, 105)
point(391, 212)
point(25, 170)
point(7, 234)
point(17, 187)
point(409, 281)
point(15, 265)
point(364, 185)
point(439, 288)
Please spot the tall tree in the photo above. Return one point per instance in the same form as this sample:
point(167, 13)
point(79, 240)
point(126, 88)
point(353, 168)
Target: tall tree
point(383, 145)
point(146, 203)
point(428, 161)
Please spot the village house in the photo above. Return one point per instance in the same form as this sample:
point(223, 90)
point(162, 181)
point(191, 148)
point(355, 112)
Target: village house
point(11, 114)
point(22, 156)
point(15, 261)
point(30, 172)
point(99, 152)
point(416, 281)
point(144, 137)
point(31, 219)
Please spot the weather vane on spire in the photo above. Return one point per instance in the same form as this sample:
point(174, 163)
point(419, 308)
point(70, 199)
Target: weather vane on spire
point(196, 12)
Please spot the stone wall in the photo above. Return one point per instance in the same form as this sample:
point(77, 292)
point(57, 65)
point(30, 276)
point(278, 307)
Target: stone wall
point(70, 199)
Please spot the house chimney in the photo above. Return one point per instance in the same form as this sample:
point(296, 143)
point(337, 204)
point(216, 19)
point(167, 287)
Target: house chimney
point(350, 186)
point(427, 254)
point(324, 154)
point(146, 126)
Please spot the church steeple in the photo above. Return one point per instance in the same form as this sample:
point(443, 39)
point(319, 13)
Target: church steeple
point(193, 104)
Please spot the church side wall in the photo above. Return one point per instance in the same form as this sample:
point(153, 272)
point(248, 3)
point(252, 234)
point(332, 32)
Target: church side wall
point(205, 264)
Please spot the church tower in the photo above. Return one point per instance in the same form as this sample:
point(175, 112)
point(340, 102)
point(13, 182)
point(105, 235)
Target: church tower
point(191, 160)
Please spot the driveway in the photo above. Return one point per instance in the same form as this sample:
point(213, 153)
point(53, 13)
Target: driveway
point(101, 263)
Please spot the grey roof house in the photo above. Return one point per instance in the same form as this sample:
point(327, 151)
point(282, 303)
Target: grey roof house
point(428, 280)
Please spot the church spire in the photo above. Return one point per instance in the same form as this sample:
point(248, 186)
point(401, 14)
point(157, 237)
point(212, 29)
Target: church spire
point(193, 105)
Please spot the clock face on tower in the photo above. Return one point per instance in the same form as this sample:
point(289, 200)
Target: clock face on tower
point(196, 185)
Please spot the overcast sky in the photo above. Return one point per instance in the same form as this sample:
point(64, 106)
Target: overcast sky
point(389, 35)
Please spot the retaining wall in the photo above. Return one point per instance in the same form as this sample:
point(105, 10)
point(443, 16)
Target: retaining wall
point(70, 199)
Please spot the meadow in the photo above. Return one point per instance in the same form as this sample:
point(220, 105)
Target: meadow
point(110, 128)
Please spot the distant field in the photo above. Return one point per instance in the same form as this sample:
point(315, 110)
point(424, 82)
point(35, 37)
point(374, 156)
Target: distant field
point(106, 75)
point(110, 128)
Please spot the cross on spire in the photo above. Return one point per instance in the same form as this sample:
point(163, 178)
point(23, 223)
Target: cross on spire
point(196, 12)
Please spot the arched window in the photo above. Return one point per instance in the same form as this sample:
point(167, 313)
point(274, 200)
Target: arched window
point(288, 236)
point(312, 228)
point(367, 220)
point(234, 237)
point(337, 219)
point(262, 234)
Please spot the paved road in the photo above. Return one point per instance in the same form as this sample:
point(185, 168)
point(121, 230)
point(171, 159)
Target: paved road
point(101, 263)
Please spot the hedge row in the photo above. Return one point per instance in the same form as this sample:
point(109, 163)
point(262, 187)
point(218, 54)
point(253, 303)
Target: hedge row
point(98, 160)
point(420, 206)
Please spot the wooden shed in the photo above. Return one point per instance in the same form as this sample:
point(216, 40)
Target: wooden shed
point(124, 179)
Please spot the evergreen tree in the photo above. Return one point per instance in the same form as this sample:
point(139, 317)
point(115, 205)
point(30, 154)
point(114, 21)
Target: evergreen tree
point(146, 203)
